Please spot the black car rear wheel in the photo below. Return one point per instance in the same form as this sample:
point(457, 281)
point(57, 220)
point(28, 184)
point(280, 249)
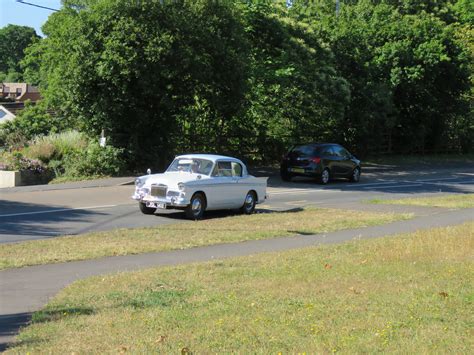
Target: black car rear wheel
point(324, 177)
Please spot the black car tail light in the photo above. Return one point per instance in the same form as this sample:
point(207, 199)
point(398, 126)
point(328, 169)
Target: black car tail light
point(316, 160)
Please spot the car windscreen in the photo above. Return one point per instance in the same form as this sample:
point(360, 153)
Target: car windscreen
point(191, 165)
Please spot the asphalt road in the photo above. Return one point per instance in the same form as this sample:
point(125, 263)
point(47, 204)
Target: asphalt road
point(39, 213)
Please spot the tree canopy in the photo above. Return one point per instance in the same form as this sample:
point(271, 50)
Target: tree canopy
point(13, 42)
point(252, 77)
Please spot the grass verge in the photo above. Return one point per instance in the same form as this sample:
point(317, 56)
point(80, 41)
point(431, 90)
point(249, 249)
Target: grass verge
point(187, 235)
point(446, 201)
point(407, 294)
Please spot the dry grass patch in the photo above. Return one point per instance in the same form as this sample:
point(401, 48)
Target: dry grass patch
point(446, 201)
point(406, 294)
point(186, 235)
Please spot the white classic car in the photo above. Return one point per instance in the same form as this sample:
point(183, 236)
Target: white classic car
point(200, 182)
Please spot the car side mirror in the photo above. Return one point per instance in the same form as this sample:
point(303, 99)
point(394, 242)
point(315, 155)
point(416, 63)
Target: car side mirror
point(148, 171)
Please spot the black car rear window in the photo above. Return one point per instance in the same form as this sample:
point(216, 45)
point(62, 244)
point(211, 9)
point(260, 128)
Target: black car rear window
point(305, 150)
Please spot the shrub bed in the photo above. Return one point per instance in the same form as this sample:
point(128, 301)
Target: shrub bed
point(67, 155)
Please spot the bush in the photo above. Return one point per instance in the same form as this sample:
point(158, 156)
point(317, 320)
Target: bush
point(94, 161)
point(68, 154)
point(44, 152)
point(34, 120)
point(56, 146)
point(17, 161)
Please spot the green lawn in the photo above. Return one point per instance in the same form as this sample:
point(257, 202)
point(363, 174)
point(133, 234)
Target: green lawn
point(186, 235)
point(407, 294)
point(446, 201)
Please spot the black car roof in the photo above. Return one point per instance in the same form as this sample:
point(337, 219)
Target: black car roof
point(315, 144)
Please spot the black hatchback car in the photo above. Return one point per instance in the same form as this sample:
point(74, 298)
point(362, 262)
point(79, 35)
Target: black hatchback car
point(322, 161)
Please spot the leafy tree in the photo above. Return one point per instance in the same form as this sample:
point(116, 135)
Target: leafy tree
point(251, 77)
point(13, 42)
point(145, 72)
point(10, 77)
point(407, 73)
point(295, 93)
point(464, 10)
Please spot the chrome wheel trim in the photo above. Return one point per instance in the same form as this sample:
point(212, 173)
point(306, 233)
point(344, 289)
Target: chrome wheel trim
point(196, 206)
point(325, 176)
point(249, 201)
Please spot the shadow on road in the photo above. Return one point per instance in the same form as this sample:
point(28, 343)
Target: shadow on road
point(15, 218)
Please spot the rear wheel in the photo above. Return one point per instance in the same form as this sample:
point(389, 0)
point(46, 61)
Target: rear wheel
point(146, 210)
point(197, 206)
point(249, 204)
point(325, 176)
point(355, 176)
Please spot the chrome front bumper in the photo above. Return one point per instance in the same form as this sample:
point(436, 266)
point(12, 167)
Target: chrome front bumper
point(173, 201)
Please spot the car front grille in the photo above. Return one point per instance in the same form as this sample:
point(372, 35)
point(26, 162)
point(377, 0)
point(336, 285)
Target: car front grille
point(158, 190)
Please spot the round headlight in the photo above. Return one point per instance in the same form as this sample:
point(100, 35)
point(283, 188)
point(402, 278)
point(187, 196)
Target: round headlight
point(139, 182)
point(181, 186)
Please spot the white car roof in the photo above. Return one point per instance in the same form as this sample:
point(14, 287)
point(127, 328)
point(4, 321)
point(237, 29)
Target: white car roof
point(211, 157)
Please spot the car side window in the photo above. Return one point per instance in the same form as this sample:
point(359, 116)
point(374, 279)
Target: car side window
point(335, 151)
point(327, 152)
point(345, 153)
point(223, 168)
point(236, 169)
point(341, 152)
point(206, 168)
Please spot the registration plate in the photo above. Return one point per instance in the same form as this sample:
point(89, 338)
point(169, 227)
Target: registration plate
point(160, 205)
point(297, 170)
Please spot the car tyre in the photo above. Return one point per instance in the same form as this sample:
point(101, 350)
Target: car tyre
point(196, 207)
point(249, 204)
point(146, 210)
point(324, 177)
point(355, 176)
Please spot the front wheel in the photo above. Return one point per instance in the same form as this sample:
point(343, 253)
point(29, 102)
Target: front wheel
point(355, 176)
point(249, 204)
point(146, 210)
point(197, 206)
